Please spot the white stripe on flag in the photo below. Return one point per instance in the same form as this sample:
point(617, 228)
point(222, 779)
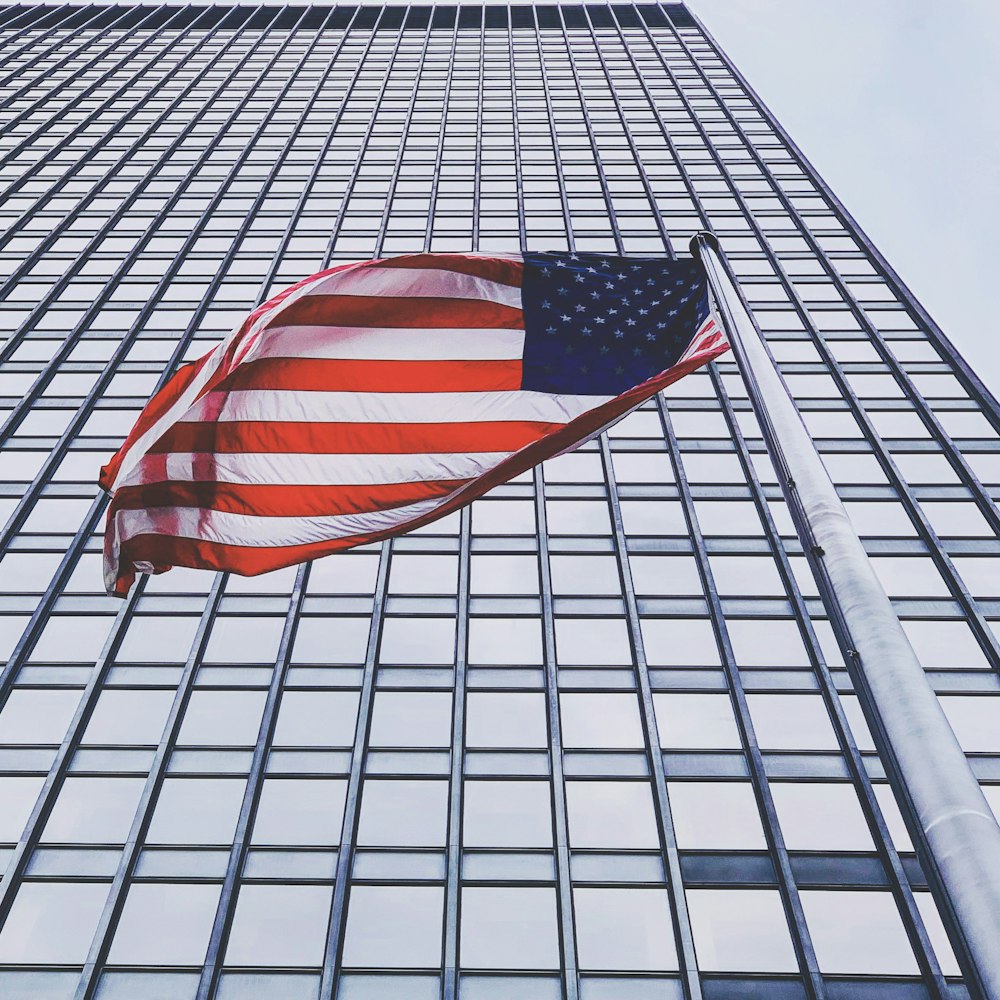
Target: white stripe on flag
point(389, 344)
point(313, 470)
point(389, 407)
point(262, 532)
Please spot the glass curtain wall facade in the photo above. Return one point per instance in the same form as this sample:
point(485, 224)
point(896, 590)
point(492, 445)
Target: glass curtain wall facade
point(590, 739)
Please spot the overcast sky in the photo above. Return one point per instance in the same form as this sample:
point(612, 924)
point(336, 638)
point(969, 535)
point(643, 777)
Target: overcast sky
point(895, 104)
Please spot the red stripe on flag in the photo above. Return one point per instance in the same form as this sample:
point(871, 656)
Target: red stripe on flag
point(352, 375)
point(279, 500)
point(387, 311)
point(266, 437)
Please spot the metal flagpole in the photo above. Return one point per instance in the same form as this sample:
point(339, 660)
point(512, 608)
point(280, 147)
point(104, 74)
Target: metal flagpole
point(956, 834)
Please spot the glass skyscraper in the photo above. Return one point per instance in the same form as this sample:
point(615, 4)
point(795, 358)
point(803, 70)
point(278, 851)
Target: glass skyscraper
point(590, 739)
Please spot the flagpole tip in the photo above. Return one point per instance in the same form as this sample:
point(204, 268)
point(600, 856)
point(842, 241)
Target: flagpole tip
point(710, 238)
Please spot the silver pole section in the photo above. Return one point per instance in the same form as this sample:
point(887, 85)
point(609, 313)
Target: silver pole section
point(953, 827)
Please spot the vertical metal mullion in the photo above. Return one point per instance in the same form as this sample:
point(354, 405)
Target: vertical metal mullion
point(556, 153)
point(957, 460)
point(78, 72)
point(110, 915)
point(16, 519)
point(787, 885)
point(331, 972)
point(680, 917)
point(208, 982)
point(478, 185)
point(976, 387)
point(46, 797)
point(70, 11)
point(522, 229)
point(58, 183)
point(456, 789)
point(898, 881)
point(439, 152)
point(564, 877)
point(452, 897)
point(970, 607)
point(595, 150)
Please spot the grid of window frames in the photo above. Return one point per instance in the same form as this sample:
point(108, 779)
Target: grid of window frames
point(590, 739)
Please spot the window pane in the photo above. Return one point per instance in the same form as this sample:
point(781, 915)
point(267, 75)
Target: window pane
point(696, 721)
point(821, 817)
point(93, 811)
point(303, 811)
point(601, 721)
point(280, 925)
point(592, 642)
point(150, 639)
point(182, 916)
point(316, 719)
point(222, 718)
point(716, 815)
point(976, 722)
point(944, 645)
point(500, 719)
point(768, 642)
point(505, 640)
point(858, 933)
point(244, 640)
point(35, 716)
point(501, 574)
point(129, 717)
point(196, 811)
point(596, 809)
point(52, 922)
point(393, 926)
point(679, 642)
point(331, 640)
point(403, 813)
point(507, 814)
point(418, 640)
point(624, 929)
point(791, 722)
point(508, 928)
point(740, 930)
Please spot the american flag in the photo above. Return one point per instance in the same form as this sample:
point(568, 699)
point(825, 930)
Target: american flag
point(372, 398)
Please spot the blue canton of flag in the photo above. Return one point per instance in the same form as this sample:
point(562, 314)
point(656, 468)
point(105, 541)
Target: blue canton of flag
point(599, 325)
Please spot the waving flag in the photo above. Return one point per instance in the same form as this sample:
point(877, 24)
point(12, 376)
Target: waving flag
point(373, 398)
